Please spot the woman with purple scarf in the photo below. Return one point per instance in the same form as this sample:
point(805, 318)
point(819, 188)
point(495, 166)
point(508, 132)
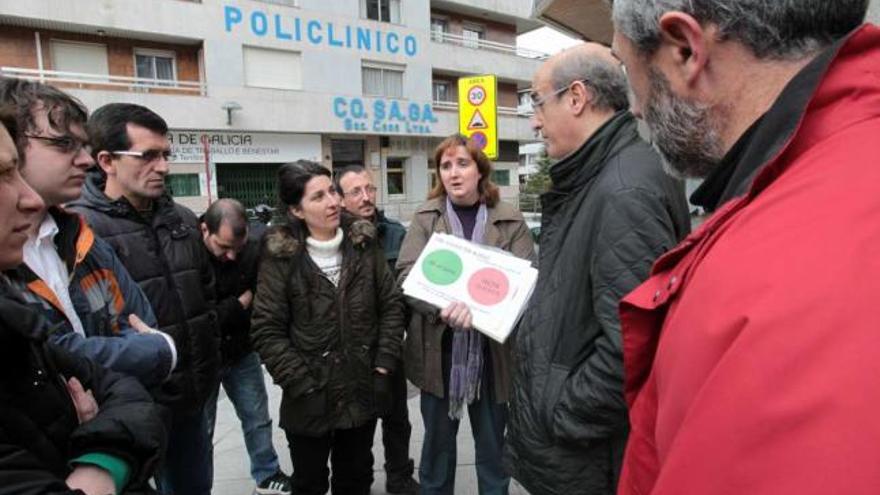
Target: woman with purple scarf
point(453, 365)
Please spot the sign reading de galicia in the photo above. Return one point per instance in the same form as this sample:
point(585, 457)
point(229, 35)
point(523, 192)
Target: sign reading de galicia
point(297, 29)
point(383, 115)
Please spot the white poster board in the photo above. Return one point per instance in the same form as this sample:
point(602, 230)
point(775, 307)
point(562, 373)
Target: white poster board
point(494, 284)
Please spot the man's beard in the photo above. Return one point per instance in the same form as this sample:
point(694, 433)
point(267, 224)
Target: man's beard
point(683, 132)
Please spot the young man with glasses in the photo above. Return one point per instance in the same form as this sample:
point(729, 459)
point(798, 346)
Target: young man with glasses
point(73, 278)
point(160, 243)
point(355, 185)
point(609, 213)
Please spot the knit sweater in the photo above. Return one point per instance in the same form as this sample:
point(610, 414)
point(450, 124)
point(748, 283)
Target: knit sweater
point(327, 255)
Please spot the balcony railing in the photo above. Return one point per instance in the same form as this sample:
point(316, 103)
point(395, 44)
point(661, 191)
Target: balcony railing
point(479, 44)
point(453, 106)
point(103, 81)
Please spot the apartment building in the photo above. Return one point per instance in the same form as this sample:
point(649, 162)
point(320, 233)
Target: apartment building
point(246, 85)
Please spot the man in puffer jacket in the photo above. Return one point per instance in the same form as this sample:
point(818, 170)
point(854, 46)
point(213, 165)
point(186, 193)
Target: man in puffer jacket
point(609, 213)
point(66, 425)
point(160, 244)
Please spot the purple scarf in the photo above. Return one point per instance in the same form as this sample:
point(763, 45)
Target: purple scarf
point(467, 345)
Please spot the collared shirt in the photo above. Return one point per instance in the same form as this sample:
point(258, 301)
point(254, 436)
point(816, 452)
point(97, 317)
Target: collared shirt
point(41, 256)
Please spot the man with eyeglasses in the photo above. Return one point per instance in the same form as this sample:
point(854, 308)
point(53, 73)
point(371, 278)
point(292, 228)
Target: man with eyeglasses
point(355, 185)
point(73, 278)
point(609, 213)
point(160, 244)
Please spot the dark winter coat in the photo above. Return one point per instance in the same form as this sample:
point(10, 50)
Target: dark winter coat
point(423, 350)
point(321, 343)
point(232, 279)
point(391, 234)
point(610, 212)
point(167, 258)
point(39, 429)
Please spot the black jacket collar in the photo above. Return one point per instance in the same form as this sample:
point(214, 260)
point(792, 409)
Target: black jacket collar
point(766, 137)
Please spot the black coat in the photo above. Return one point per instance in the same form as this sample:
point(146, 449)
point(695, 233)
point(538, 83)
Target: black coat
point(611, 211)
point(232, 279)
point(167, 258)
point(39, 429)
point(321, 342)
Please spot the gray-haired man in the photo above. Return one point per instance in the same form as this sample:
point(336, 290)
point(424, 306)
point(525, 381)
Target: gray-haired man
point(609, 213)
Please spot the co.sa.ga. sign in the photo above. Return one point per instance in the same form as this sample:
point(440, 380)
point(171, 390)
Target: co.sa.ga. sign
point(383, 115)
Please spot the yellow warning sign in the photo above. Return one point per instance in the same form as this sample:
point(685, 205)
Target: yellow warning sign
point(478, 112)
point(477, 121)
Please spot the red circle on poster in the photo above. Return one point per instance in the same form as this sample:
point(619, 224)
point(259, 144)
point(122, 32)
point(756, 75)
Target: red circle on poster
point(488, 286)
point(479, 138)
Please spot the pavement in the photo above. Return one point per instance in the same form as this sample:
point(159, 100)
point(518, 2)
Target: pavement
point(232, 467)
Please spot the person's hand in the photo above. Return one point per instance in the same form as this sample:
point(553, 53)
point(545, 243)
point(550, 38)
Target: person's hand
point(246, 299)
point(381, 370)
point(139, 326)
point(83, 401)
point(457, 315)
point(92, 480)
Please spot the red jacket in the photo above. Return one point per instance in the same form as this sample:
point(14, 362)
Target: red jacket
point(752, 354)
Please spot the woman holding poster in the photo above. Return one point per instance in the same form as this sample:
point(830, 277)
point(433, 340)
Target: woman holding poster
point(453, 365)
point(327, 323)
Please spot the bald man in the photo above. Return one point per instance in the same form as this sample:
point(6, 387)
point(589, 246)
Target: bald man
point(611, 210)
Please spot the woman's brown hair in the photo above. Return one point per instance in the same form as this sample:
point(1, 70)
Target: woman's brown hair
point(489, 193)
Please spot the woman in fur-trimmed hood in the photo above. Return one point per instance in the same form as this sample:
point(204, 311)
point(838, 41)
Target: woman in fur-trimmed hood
point(327, 323)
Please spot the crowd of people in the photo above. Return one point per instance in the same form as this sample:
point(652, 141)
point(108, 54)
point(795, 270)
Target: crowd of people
point(736, 359)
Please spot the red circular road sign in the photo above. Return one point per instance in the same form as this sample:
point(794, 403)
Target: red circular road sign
point(476, 95)
point(479, 138)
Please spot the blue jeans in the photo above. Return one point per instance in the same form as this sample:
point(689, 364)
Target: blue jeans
point(244, 385)
point(437, 467)
point(188, 464)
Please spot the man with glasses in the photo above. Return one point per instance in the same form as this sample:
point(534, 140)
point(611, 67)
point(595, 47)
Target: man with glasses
point(355, 185)
point(73, 278)
point(160, 243)
point(609, 213)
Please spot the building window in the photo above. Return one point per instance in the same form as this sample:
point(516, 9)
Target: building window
point(347, 152)
point(179, 185)
point(80, 58)
point(381, 10)
point(501, 177)
point(395, 176)
point(471, 36)
point(382, 80)
point(269, 68)
point(152, 64)
point(439, 27)
point(441, 91)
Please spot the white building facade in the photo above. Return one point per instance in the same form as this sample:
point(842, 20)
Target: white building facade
point(248, 85)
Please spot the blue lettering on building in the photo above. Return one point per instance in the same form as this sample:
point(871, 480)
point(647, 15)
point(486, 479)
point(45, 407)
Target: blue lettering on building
point(289, 28)
point(386, 116)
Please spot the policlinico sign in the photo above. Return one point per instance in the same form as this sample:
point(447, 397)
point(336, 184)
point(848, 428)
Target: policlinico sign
point(355, 114)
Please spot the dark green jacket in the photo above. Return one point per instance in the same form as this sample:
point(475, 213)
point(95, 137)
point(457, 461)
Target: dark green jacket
point(321, 343)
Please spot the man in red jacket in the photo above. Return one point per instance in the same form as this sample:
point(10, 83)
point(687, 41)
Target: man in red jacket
point(752, 353)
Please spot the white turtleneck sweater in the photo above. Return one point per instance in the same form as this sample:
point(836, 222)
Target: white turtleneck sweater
point(327, 255)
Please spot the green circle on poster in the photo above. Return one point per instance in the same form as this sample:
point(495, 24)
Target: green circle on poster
point(442, 267)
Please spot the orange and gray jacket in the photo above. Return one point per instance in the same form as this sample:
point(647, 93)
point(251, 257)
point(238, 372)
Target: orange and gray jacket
point(103, 296)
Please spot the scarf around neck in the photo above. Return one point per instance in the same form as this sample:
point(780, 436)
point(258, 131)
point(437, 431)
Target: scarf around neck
point(466, 373)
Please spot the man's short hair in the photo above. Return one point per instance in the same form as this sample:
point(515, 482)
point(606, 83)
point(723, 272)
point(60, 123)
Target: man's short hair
point(62, 110)
point(774, 29)
point(606, 79)
point(230, 212)
point(107, 127)
point(342, 172)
